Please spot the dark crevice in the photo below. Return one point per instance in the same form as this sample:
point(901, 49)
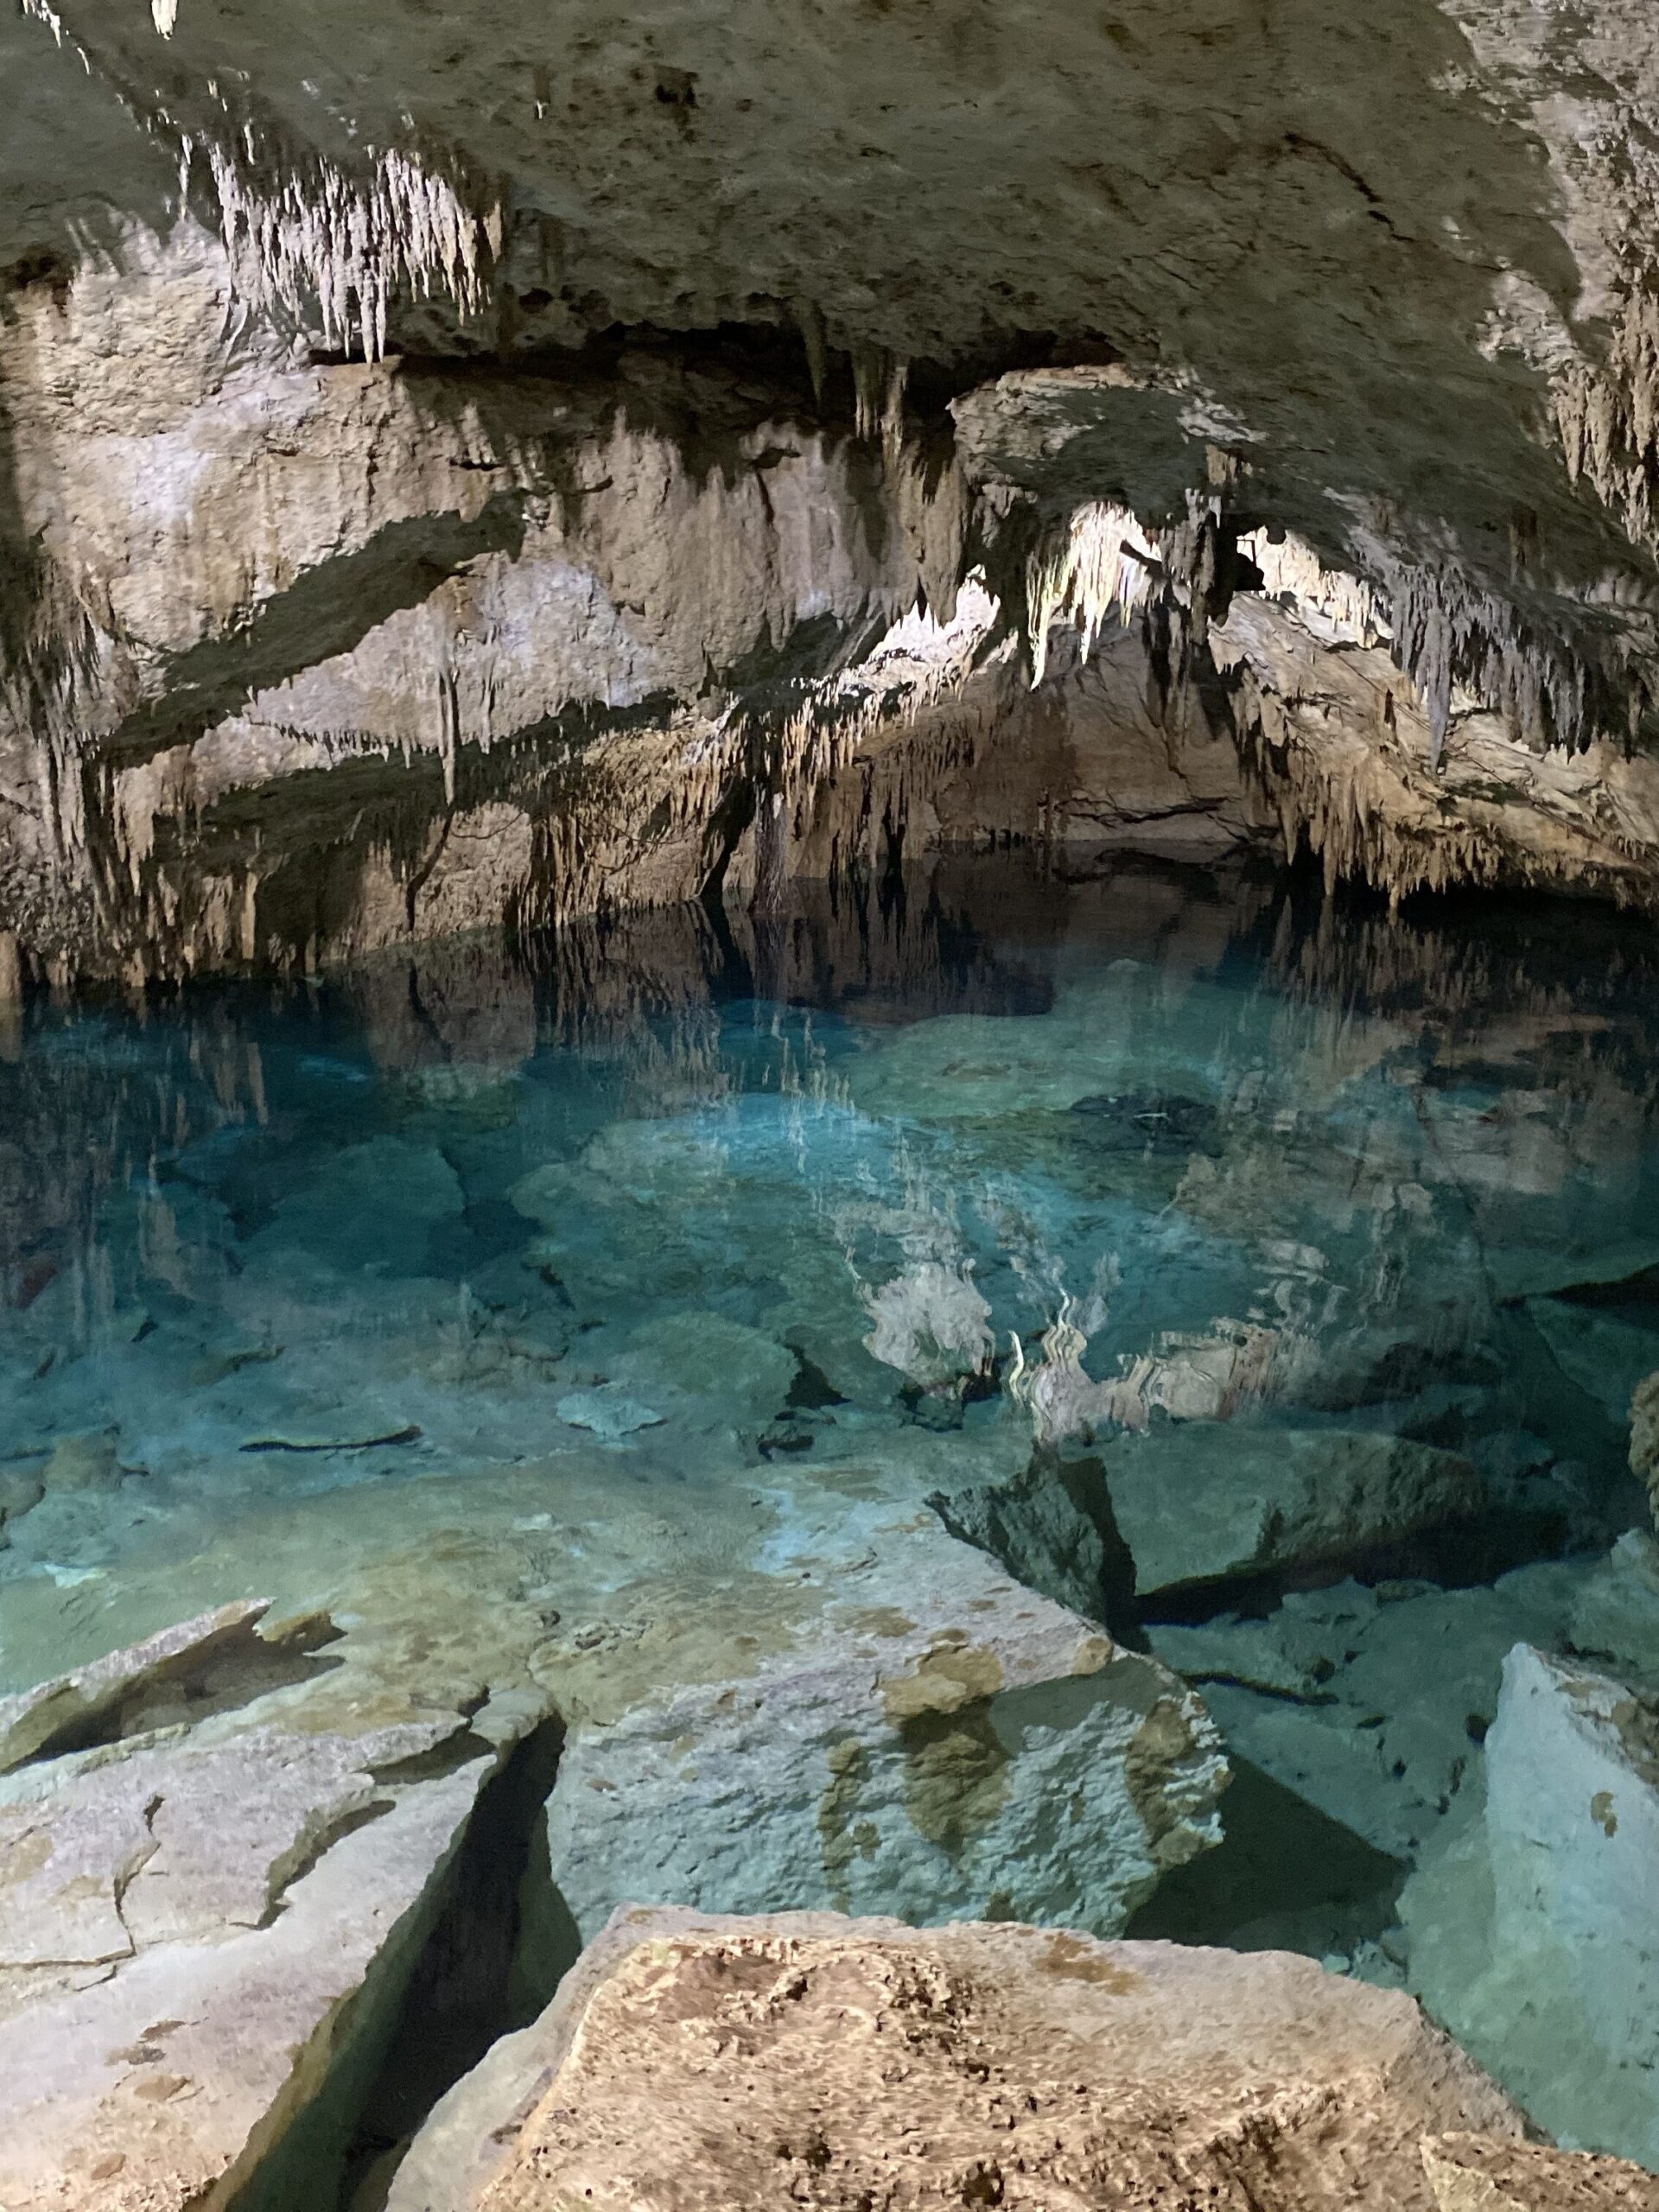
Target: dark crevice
point(1461, 1555)
point(471, 1969)
point(1285, 1875)
point(469, 1987)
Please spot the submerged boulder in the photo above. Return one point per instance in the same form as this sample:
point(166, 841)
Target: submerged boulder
point(934, 1741)
point(1206, 1501)
point(692, 2062)
point(720, 1371)
point(1534, 1935)
point(140, 1686)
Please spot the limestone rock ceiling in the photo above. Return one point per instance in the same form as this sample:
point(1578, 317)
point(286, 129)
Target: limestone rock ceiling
point(1196, 275)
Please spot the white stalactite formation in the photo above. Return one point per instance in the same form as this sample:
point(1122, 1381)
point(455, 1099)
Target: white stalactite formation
point(302, 230)
point(1094, 568)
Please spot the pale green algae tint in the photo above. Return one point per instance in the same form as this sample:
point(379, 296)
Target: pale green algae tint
point(922, 1178)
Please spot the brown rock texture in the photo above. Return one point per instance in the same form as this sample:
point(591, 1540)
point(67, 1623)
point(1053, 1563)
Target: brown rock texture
point(1475, 2173)
point(693, 2063)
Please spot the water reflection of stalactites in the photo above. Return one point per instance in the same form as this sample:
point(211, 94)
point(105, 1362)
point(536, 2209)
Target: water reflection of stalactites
point(1455, 958)
point(1491, 1002)
point(893, 951)
point(89, 1106)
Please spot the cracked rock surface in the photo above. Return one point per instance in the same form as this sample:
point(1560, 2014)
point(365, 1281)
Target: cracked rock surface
point(193, 1914)
point(223, 1850)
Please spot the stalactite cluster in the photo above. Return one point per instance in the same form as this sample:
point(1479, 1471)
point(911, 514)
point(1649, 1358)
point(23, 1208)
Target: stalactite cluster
point(299, 230)
point(1608, 416)
point(304, 236)
point(1092, 567)
point(1457, 641)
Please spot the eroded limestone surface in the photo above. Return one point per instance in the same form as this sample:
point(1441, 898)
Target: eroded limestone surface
point(941, 1743)
point(225, 1848)
point(691, 2060)
point(207, 1923)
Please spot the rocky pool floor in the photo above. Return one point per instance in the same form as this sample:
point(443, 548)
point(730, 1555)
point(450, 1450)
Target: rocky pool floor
point(1263, 1281)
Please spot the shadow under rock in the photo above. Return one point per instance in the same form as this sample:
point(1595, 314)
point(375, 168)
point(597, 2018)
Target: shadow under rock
point(1286, 1876)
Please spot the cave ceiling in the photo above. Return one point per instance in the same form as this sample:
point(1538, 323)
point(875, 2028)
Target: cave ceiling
point(1375, 283)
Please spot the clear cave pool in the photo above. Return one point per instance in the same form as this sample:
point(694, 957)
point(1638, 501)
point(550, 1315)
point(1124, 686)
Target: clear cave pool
point(996, 1165)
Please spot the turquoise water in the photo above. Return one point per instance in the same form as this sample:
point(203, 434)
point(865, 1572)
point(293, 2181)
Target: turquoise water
point(1252, 1162)
point(962, 1173)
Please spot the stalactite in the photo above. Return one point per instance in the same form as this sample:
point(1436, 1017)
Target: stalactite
point(42, 11)
point(1365, 801)
point(301, 229)
point(1093, 569)
point(809, 322)
point(879, 379)
point(1451, 637)
point(1349, 610)
point(1608, 416)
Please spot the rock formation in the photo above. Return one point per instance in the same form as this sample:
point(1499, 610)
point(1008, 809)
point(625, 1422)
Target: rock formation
point(950, 1746)
point(221, 1853)
point(1204, 1500)
point(1537, 1922)
point(1644, 1437)
point(239, 1861)
point(423, 507)
point(691, 2060)
point(689, 477)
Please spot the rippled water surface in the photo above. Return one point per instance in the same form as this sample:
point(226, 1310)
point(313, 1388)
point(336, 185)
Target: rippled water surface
point(982, 1166)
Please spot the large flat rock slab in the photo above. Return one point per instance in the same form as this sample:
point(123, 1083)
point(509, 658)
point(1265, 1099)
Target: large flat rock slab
point(931, 1740)
point(700, 2063)
point(220, 1855)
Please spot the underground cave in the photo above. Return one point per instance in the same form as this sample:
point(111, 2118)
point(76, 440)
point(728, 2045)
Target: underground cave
point(828, 1106)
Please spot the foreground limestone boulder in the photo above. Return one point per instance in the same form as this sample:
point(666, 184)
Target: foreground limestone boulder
point(691, 2062)
point(1485, 2173)
point(1204, 1500)
point(933, 1740)
point(220, 1858)
point(1534, 1935)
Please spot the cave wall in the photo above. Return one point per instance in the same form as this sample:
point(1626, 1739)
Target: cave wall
point(458, 479)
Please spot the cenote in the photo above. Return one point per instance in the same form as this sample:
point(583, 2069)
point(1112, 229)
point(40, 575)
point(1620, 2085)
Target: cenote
point(828, 1106)
point(685, 1311)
